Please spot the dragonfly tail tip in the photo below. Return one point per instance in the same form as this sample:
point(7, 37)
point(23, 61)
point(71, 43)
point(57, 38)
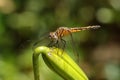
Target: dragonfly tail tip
point(96, 26)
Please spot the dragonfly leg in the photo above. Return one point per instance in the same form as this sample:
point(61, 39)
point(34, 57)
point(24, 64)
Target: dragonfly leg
point(64, 43)
point(52, 44)
point(57, 45)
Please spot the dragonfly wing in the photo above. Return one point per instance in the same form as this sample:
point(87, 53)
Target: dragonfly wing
point(74, 48)
point(71, 46)
point(43, 41)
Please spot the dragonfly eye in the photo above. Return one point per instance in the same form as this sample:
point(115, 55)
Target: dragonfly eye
point(51, 35)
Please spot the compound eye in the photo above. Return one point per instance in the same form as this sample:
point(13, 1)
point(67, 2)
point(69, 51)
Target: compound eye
point(51, 35)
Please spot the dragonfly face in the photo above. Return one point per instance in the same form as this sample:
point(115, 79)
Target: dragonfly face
point(53, 37)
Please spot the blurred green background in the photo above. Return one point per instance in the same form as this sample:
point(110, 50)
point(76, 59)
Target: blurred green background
point(22, 22)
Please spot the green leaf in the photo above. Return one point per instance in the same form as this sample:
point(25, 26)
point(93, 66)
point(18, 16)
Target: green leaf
point(58, 61)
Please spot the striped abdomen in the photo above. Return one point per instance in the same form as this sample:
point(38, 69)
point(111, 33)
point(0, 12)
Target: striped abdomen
point(63, 31)
point(83, 28)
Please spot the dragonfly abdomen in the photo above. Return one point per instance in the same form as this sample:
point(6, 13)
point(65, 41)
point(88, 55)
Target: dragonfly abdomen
point(77, 29)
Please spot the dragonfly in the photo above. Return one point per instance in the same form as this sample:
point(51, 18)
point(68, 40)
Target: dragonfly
point(56, 38)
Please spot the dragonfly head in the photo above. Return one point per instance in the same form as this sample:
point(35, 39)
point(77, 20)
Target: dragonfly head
point(53, 36)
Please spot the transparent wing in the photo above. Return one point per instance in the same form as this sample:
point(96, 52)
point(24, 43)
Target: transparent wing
point(43, 41)
point(71, 47)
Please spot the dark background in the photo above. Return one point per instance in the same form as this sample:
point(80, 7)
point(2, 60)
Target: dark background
point(22, 22)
